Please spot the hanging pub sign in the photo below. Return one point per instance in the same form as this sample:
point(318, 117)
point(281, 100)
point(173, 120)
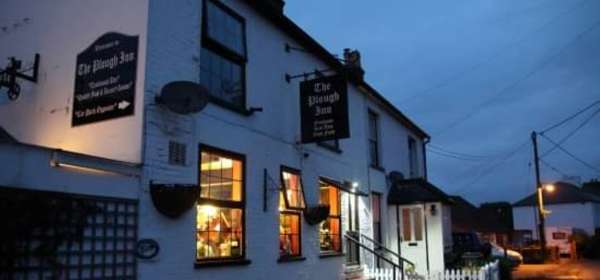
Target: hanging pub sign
point(105, 77)
point(324, 109)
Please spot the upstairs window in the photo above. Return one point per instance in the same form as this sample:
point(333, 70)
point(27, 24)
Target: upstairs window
point(412, 157)
point(330, 237)
point(223, 54)
point(374, 139)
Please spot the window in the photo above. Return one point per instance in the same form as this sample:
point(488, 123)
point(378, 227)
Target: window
point(330, 238)
point(412, 157)
point(292, 185)
point(333, 145)
point(223, 55)
point(291, 201)
point(376, 205)
point(374, 139)
point(220, 210)
point(412, 224)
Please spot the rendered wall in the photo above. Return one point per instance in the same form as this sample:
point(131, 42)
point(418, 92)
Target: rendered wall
point(58, 31)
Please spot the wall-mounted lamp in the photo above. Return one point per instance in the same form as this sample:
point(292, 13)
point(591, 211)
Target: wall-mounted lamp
point(433, 209)
point(92, 164)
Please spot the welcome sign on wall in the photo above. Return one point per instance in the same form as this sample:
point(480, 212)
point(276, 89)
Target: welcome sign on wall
point(105, 79)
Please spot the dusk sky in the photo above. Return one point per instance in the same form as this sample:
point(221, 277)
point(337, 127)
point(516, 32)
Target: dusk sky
point(479, 76)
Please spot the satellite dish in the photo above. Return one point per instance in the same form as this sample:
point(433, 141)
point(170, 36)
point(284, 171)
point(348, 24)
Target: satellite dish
point(183, 97)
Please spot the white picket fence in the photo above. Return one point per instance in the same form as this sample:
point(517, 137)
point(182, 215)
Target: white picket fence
point(488, 272)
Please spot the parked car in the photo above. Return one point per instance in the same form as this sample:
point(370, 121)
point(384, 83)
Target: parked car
point(466, 242)
point(514, 257)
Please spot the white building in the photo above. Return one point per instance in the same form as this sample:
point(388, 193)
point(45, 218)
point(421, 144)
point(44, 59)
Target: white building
point(569, 206)
point(90, 130)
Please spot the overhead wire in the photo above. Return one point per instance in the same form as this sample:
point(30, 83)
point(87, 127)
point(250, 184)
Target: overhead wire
point(570, 134)
point(570, 154)
point(513, 85)
point(567, 119)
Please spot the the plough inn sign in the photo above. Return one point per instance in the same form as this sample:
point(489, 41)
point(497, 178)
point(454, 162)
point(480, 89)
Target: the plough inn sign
point(324, 109)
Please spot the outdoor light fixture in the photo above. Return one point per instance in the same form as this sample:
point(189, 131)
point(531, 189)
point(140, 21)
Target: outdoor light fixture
point(93, 164)
point(549, 188)
point(433, 209)
point(354, 185)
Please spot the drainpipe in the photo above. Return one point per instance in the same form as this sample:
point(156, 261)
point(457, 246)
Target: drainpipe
point(426, 235)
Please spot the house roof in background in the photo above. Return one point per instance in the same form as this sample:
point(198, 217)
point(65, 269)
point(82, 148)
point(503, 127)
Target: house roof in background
point(592, 187)
point(413, 191)
point(564, 193)
point(466, 217)
point(285, 24)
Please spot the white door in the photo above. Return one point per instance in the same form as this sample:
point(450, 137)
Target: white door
point(411, 231)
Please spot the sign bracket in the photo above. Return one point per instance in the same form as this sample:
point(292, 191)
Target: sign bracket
point(306, 75)
point(8, 77)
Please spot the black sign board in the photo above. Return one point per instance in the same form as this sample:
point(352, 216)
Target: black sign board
point(324, 109)
point(105, 79)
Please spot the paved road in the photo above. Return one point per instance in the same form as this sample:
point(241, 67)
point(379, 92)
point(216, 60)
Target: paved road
point(575, 270)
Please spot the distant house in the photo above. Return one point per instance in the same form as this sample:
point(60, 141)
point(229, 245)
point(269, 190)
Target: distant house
point(492, 221)
point(570, 206)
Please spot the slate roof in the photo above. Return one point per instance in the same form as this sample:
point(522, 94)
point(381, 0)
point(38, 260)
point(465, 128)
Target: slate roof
point(412, 191)
point(563, 193)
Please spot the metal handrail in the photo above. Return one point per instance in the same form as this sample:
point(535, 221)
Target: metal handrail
point(378, 255)
point(380, 246)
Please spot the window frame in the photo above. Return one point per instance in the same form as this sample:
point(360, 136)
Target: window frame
point(241, 205)
point(338, 217)
point(378, 238)
point(298, 173)
point(223, 51)
point(413, 158)
point(334, 147)
point(295, 213)
point(376, 163)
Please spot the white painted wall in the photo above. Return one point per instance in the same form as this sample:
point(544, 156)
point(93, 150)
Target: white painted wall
point(266, 138)
point(58, 31)
point(576, 215)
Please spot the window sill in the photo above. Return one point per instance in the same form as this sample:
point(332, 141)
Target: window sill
point(285, 259)
point(331, 255)
point(378, 168)
point(230, 106)
point(330, 148)
point(219, 263)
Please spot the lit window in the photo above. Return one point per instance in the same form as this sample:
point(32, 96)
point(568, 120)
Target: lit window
point(291, 201)
point(292, 185)
point(220, 211)
point(289, 234)
point(330, 237)
point(223, 54)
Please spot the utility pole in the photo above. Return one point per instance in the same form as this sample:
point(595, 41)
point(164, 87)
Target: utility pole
point(536, 160)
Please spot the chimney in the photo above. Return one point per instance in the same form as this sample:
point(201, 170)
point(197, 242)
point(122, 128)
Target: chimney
point(274, 5)
point(353, 65)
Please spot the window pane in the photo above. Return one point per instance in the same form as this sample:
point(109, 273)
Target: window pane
point(418, 222)
point(225, 29)
point(406, 228)
point(220, 177)
point(222, 77)
point(293, 189)
point(289, 234)
point(218, 232)
point(330, 237)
